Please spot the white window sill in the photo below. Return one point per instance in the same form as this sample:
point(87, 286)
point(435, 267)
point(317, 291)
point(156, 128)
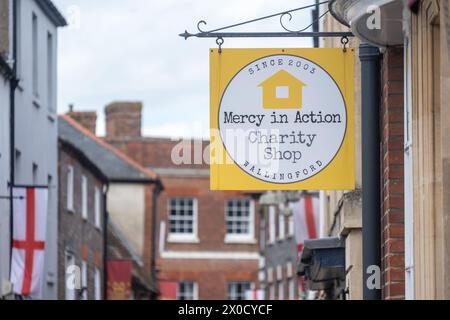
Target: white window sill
point(71, 210)
point(240, 240)
point(175, 238)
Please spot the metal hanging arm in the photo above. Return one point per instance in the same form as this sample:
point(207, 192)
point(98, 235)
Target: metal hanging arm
point(217, 33)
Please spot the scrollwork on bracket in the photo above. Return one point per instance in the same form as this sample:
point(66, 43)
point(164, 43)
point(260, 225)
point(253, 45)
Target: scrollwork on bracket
point(202, 23)
point(289, 15)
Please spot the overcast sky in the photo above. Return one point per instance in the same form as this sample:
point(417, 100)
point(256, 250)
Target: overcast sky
point(130, 50)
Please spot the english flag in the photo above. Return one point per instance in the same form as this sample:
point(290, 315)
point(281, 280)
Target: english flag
point(30, 207)
point(306, 219)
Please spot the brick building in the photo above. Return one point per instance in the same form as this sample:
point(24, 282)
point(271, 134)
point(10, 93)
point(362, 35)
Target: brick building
point(279, 253)
point(130, 192)
point(347, 206)
point(81, 222)
point(207, 242)
point(414, 82)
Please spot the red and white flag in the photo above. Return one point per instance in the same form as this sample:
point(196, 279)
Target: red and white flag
point(29, 230)
point(306, 219)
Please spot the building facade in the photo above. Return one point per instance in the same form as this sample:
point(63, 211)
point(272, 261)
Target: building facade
point(279, 252)
point(207, 242)
point(81, 224)
point(414, 74)
point(130, 194)
point(6, 77)
point(32, 55)
point(427, 184)
point(341, 211)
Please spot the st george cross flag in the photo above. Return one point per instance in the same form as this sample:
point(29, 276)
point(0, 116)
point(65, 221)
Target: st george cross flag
point(306, 219)
point(30, 207)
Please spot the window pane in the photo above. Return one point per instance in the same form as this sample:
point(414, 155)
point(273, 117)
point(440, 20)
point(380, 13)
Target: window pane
point(237, 290)
point(186, 291)
point(181, 215)
point(238, 218)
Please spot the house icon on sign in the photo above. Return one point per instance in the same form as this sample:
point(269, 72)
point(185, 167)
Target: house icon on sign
point(282, 91)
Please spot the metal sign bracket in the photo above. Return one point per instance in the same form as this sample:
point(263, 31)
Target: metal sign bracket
point(219, 33)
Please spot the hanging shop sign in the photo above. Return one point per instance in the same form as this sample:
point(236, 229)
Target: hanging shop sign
point(282, 119)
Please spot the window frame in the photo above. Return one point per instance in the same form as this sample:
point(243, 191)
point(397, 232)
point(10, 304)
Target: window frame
point(235, 296)
point(84, 279)
point(194, 290)
point(281, 226)
point(291, 226)
point(281, 289)
point(84, 198)
point(97, 208)
point(241, 238)
point(70, 188)
point(183, 237)
point(35, 52)
point(272, 225)
point(50, 73)
point(291, 288)
point(97, 284)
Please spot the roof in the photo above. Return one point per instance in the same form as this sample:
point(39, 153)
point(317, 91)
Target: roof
point(81, 157)
point(52, 12)
point(115, 165)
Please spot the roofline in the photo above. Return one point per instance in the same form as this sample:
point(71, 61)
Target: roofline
point(52, 12)
point(134, 181)
point(152, 175)
point(84, 159)
point(156, 139)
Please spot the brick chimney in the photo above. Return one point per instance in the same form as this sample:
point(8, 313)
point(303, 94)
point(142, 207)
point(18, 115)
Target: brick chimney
point(88, 119)
point(123, 119)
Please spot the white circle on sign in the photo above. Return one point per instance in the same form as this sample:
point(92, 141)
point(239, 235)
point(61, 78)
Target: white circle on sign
point(282, 119)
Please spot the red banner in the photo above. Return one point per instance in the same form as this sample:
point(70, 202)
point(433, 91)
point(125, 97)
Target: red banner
point(168, 290)
point(119, 279)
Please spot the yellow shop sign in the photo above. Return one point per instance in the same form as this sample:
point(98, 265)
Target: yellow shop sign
point(282, 119)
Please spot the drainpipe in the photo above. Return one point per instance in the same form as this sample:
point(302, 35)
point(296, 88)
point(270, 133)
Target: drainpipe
point(370, 124)
point(315, 18)
point(105, 241)
point(12, 106)
point(157, 190)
